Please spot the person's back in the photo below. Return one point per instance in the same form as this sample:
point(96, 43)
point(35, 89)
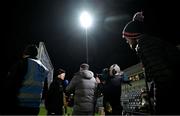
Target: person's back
point(26, 80)
point(157, 56)
point(84, 85)
point(112, 90)
point(160, 60)
point(31, 90)
point(55, 96)
point(112, 93)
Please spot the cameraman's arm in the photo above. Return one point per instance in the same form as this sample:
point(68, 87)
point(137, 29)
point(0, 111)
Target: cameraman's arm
point(126, 80)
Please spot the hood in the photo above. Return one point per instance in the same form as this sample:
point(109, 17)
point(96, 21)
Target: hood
point(86, 74)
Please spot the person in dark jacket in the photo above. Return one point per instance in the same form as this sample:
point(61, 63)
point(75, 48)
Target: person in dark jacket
point(25, 84)
point(83, 85)
point(55, 96)
point(112, 91)
point(160, 60)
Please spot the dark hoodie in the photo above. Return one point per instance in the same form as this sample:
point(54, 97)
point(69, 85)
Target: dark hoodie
point(83, 84)
point(54, 100)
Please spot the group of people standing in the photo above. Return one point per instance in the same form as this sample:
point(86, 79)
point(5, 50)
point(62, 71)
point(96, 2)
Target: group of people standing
point(25, 82)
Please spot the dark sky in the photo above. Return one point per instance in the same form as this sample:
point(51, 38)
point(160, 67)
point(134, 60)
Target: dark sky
point(56, 23)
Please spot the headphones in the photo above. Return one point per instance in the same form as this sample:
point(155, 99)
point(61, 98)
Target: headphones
point(113, 70)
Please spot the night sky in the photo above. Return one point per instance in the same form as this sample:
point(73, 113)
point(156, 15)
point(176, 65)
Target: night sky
point(56, 23)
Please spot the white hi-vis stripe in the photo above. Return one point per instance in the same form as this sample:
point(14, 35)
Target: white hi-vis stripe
point(29, 95)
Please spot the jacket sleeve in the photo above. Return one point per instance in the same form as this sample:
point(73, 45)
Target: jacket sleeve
point(16, 74)
point(125, 79)
point(45, 89)
point(14, 80)
point(71, 87)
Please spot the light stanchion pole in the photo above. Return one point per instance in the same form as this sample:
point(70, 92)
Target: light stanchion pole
point(86, 21)
point(87, 51)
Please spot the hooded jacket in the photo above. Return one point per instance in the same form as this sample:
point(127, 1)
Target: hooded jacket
point(83, 84)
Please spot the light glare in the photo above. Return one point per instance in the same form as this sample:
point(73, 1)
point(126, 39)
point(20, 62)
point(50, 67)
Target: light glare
point(85, 20)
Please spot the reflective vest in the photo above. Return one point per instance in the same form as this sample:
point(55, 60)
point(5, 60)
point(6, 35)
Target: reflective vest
point(32, 86)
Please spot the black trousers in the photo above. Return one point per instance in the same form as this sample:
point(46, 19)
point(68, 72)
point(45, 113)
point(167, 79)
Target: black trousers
point(58, 111)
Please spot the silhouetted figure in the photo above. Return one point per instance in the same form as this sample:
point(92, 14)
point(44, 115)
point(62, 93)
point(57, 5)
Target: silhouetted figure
point(55, 96)
point(112, 91)
point(25, 83)
point(160, 60)
point(83, 85)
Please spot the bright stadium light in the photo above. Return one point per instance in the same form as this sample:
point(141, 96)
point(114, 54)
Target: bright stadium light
point(85, 20)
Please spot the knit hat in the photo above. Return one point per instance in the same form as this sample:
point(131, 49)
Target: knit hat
point(135, 27)
point(138, 16)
